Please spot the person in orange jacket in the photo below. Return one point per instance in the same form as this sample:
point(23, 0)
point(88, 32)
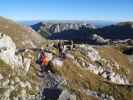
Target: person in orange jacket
point(43, 60)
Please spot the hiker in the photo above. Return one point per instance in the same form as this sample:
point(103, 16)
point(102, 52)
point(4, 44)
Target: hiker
point(40, 56)
point(42, 60)
point(61, 49)
point(71, 47)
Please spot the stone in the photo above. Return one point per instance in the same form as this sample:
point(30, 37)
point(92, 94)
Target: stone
point(70, 56)
point(12, 82)
point(66, 95)
point(49, 56)
point(72, 97)
point(22, 84)
point(17, 80)
point(26, 64)
point(23, 92)
point(5, 83)
point(12, 88)
point(28, 85)
point(8, 49)
point(57, 62)
point(90, 52)
point(99, 39)
point(1, 77)
point(93, 54)
point(7, 93)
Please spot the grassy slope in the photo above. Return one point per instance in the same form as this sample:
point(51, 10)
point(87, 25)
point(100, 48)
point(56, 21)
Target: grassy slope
point(18, 32)
point(4, 68)
point(78, 77)
point(31, 77)
point(114, 54)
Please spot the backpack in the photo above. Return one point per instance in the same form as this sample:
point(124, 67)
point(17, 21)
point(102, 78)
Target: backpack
point(45, 61)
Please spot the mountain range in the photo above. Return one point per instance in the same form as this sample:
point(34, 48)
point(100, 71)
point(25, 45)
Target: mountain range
point(81, 31)
point(97, 23)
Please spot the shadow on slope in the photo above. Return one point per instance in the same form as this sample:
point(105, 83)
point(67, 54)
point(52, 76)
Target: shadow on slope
point(83, 35)
point(116, 32)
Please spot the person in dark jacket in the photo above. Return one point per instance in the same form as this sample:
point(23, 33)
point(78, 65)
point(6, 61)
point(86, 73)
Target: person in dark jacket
point(61, 49)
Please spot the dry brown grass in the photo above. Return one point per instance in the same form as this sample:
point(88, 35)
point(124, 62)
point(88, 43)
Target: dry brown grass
point(5, 69)
point(17, 32)
point(77, 78)
point(114, 55)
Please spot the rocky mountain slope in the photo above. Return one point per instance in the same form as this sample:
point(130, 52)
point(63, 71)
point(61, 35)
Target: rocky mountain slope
point(85, 32)
point(86, 73)
point(20, 34)
point(59, 27)
point(120, 31)
point(17, 75)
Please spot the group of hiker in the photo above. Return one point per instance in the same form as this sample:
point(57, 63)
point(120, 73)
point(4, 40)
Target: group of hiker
point(42, 59)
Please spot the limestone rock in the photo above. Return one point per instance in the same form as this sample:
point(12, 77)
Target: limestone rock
point(17, 80)
point(7, 51)
point(5, 83)
point(68, 55)
point(27, 63)
point(66, 95)
point(90, 52)
point(57, 62)
point(23, 92)
point(1, 77)
point(49, 56)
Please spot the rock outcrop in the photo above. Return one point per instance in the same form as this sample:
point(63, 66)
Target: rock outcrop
point(14, 82)
point(20, 34)
point(60, 26)
point(99, 69)
point(7, 53)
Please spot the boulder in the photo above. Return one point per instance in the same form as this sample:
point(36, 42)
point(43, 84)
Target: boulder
point(93, 54)
point(66, 95)
point(70, 56)
point(7, 51)
point(57, 62)
point(5, 83)
point(90, 52)
point(17, 80)
point(26, 64)
point(23, 93)
point(1, 77)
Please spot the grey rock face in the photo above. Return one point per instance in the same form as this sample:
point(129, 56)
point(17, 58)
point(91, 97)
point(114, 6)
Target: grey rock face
point(65, 95)
point(59, 27)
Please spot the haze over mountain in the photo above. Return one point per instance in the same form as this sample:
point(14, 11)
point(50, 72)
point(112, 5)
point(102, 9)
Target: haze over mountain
point(97, 23)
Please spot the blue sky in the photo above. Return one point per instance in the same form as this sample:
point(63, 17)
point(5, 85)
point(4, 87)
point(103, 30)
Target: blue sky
point(113, 10)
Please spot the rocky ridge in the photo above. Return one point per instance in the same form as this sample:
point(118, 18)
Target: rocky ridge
point(71, 75)
point(60, 27)
point(87, 33)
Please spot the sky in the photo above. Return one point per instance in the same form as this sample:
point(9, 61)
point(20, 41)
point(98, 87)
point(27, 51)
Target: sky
point(111, 10)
